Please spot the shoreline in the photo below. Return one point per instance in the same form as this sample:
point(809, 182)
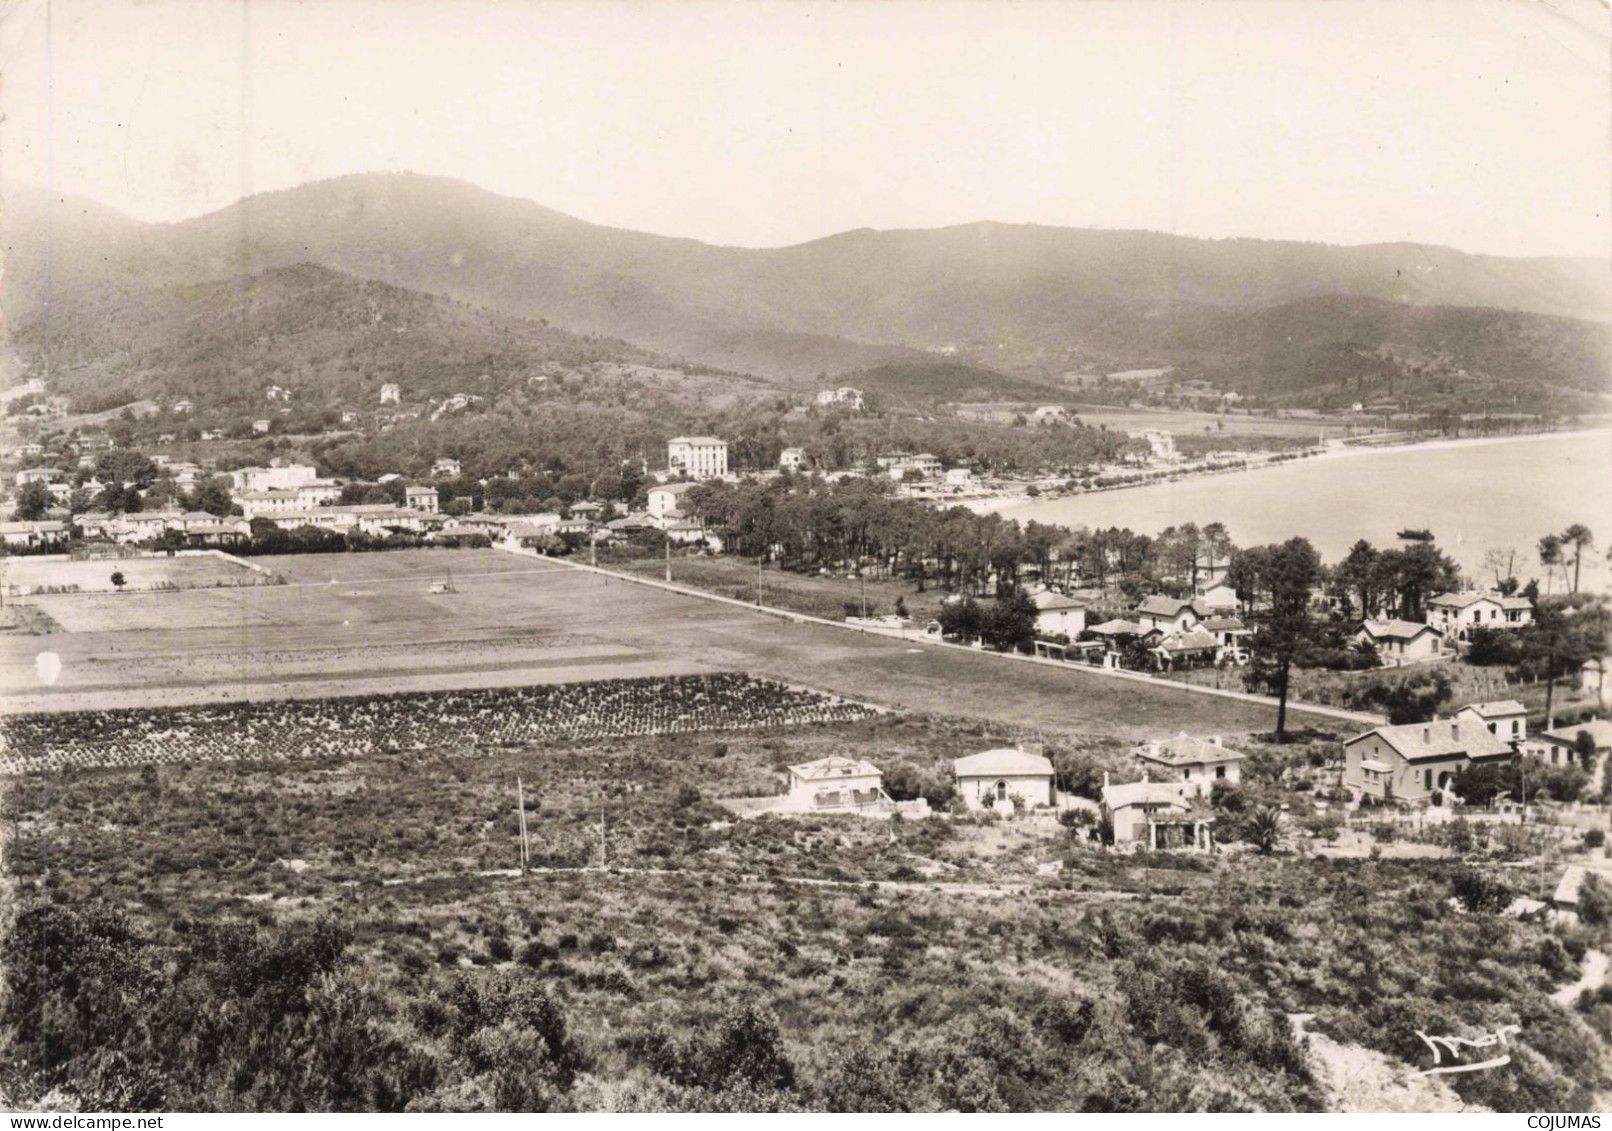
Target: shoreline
point(1002, 503)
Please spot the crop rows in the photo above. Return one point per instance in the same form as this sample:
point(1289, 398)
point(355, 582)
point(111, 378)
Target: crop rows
point(450, 722)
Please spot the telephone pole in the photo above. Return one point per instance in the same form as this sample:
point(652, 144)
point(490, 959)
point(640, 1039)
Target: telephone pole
point(526, 856)
point(668, 559)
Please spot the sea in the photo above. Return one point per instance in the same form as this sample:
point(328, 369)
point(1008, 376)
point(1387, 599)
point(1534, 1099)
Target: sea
point(1473, 495)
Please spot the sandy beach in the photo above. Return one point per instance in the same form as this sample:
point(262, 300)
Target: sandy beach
point(1004, 502)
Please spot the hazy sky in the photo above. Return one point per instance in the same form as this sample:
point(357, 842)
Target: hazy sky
point(1484, 126)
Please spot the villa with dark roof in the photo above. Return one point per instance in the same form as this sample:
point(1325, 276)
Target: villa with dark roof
point(1402, 641)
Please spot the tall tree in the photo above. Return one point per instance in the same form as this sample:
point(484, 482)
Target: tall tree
point(1290, 572)
point(32, 502)
point(1359, 576)
point(1550, 556)
point(1579, 537)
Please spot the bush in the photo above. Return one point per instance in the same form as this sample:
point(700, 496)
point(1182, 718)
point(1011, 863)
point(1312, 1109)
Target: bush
point(1595, 838)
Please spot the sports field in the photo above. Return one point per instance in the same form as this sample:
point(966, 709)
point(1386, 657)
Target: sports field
point(354, 624)
point(24, 575)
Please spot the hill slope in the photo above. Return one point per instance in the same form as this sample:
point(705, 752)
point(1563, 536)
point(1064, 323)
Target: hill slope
point(331, 338)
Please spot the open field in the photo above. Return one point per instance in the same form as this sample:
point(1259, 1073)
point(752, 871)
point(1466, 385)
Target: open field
point(815, 595)
point(23, 575)
point(518, 621)
point(373, 909)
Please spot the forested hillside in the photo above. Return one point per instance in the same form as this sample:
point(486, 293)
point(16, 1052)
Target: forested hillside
point(1030, 300)
point(331, 339)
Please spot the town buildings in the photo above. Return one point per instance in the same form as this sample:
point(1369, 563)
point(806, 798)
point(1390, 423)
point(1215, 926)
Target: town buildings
point(844, 397)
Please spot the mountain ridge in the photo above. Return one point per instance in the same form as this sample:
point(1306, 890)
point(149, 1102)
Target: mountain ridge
point(1031, 299)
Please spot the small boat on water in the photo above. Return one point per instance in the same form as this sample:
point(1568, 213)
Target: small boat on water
point(1416, 535)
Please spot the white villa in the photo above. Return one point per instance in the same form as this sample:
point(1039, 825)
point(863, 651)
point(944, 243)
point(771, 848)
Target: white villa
point(1057, 615)
point(836, 785)
point(666, 500)
point(999, 775)
point(1457, 614)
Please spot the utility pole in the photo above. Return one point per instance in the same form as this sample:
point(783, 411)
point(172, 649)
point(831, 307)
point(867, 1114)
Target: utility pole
point(760, 558)
point(601, 838)
point(863, 578)
point(520, 797)
point(668, 559)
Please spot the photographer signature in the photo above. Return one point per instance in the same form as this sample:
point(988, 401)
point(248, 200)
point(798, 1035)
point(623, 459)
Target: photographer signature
point(1454, 1045)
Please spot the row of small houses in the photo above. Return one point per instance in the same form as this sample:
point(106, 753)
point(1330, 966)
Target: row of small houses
point(1168, 808)
point(1181, 631)
point(202, 529)
point(1167, 812)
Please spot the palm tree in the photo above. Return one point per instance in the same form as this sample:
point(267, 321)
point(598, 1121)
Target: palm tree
point(1265, 829)
point(1579, 537)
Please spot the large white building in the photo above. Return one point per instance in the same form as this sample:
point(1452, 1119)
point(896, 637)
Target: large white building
point(698, 457)
point(286, 478)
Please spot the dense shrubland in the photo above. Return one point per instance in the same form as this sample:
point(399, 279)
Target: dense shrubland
point(220, 937)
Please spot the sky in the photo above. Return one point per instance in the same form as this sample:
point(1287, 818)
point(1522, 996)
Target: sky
point(1482, 125)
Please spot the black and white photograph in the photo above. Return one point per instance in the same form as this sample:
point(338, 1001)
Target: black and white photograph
point(804, 556)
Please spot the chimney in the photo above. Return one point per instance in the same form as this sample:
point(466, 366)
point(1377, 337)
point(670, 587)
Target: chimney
point(1455, 729)
point(1105, 779)
point(1216, 741)
point(1427, 734)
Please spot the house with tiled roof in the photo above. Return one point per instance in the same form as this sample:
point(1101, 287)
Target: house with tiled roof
point(1058, 615)
point(1181, 649)
point(1156, 815)
point(1506, 718)
point(1198, 761)
point(1002, 774)
point(1170, 614)
point(1409, 762)
point(1402, 641)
